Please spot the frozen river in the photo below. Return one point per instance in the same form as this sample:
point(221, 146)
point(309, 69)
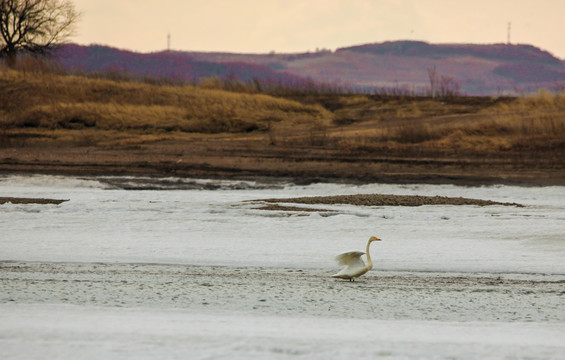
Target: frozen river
point(191, 269)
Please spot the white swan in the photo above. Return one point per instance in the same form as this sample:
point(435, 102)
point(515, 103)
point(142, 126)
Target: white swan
point(354, 265)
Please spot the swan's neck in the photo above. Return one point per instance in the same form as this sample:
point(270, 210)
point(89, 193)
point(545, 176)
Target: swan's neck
point(369, 261)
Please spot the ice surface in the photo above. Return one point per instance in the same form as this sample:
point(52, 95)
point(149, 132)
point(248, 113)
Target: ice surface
point(75, 332)
point(217, 227)
point(310, 292)
point(194, 271)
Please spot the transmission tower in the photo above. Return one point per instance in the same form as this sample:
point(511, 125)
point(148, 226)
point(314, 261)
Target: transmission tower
point(508, 33)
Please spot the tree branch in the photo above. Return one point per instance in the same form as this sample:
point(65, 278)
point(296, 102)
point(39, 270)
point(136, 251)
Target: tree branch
point(34, 26)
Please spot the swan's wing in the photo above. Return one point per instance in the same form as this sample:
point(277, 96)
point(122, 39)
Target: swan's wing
point(351, 259)
point(352, 262)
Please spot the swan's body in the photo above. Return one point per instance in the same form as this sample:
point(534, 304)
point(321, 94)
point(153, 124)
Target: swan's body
point(354, 265)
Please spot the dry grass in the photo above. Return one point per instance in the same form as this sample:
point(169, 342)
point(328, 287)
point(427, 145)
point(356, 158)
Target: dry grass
point(70, 102)
point(535, 122)
point(43, 107)
point(539, 114)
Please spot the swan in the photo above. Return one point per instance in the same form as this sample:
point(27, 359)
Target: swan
point(354, 265)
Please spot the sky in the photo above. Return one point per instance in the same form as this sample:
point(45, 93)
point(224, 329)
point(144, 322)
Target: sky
point(282, 26)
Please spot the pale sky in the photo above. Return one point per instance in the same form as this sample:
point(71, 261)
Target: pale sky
point(261, 26)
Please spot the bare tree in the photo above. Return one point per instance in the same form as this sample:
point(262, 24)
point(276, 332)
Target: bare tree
point(442, 85)
point(432, 76)
point(448, 86)
point(34, 26)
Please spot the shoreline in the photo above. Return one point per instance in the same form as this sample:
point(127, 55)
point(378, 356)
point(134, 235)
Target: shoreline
point(298, 177)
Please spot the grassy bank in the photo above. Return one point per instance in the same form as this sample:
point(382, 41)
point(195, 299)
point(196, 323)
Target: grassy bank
point(49, 121)
point(473, 124)
point(55, 102)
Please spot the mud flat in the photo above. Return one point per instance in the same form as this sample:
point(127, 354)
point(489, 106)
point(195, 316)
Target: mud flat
point(289, 292)
point(374, 200)
point(19, 200)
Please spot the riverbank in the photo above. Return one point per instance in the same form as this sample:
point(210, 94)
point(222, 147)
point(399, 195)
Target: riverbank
point(72, 125)
point(247, 159)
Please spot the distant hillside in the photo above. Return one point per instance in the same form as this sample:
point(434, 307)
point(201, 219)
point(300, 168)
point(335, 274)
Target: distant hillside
point(475, 69)
point(179, 65)
point(502, 52)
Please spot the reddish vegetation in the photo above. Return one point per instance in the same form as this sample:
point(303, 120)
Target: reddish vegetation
point(475, 69)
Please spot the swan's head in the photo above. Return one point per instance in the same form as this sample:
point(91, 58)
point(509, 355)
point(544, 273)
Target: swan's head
point(374, 238)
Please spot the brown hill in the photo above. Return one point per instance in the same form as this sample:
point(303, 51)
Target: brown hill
point(468, 68)
point(175, 65)
point(474, 69)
